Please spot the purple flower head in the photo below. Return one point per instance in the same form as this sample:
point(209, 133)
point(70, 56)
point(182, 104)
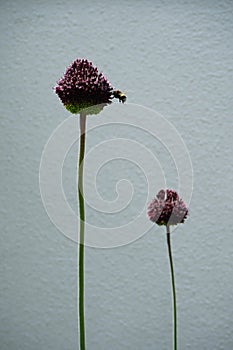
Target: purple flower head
point(167, 208)
point(82, 86)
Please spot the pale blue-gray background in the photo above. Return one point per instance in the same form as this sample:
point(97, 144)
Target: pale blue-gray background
point(175, 57)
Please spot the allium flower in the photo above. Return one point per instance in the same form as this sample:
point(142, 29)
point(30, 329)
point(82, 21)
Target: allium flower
point(167, 208)
point(82, 86)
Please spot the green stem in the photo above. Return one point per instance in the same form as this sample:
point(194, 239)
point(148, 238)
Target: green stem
point(81, 229)
point(173, 287)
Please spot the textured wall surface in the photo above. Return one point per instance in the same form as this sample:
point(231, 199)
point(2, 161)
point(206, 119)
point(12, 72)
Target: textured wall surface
point(176, 58)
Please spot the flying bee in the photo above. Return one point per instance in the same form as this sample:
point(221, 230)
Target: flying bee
point(120, 95)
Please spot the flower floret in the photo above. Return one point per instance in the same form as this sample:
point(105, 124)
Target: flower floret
point(82, 86)
point(167, 208)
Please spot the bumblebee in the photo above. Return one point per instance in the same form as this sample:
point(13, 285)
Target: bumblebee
point(120, 95)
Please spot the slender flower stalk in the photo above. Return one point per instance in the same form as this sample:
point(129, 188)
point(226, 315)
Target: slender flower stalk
point(173, 287)
point(83, 90)
point(81, 230)
point(168, 209)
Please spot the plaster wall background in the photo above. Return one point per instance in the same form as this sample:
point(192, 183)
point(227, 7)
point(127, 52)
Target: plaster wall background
point(173, 57)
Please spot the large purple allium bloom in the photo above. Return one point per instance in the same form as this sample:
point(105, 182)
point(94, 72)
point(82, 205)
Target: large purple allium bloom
point(82, 86)
point(167, 208)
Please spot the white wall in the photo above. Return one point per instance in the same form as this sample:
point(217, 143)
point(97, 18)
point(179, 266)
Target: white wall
point(176, 58)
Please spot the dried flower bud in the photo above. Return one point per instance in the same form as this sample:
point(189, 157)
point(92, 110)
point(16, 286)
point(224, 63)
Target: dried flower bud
point(82, 86)
point(167, 208)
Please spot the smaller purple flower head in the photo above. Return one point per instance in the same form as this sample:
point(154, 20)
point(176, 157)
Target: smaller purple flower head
point(167, 208)
point(82, 86)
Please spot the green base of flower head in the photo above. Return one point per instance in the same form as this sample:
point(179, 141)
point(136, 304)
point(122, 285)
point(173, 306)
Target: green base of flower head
point(88, 107)
point(164, 223)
